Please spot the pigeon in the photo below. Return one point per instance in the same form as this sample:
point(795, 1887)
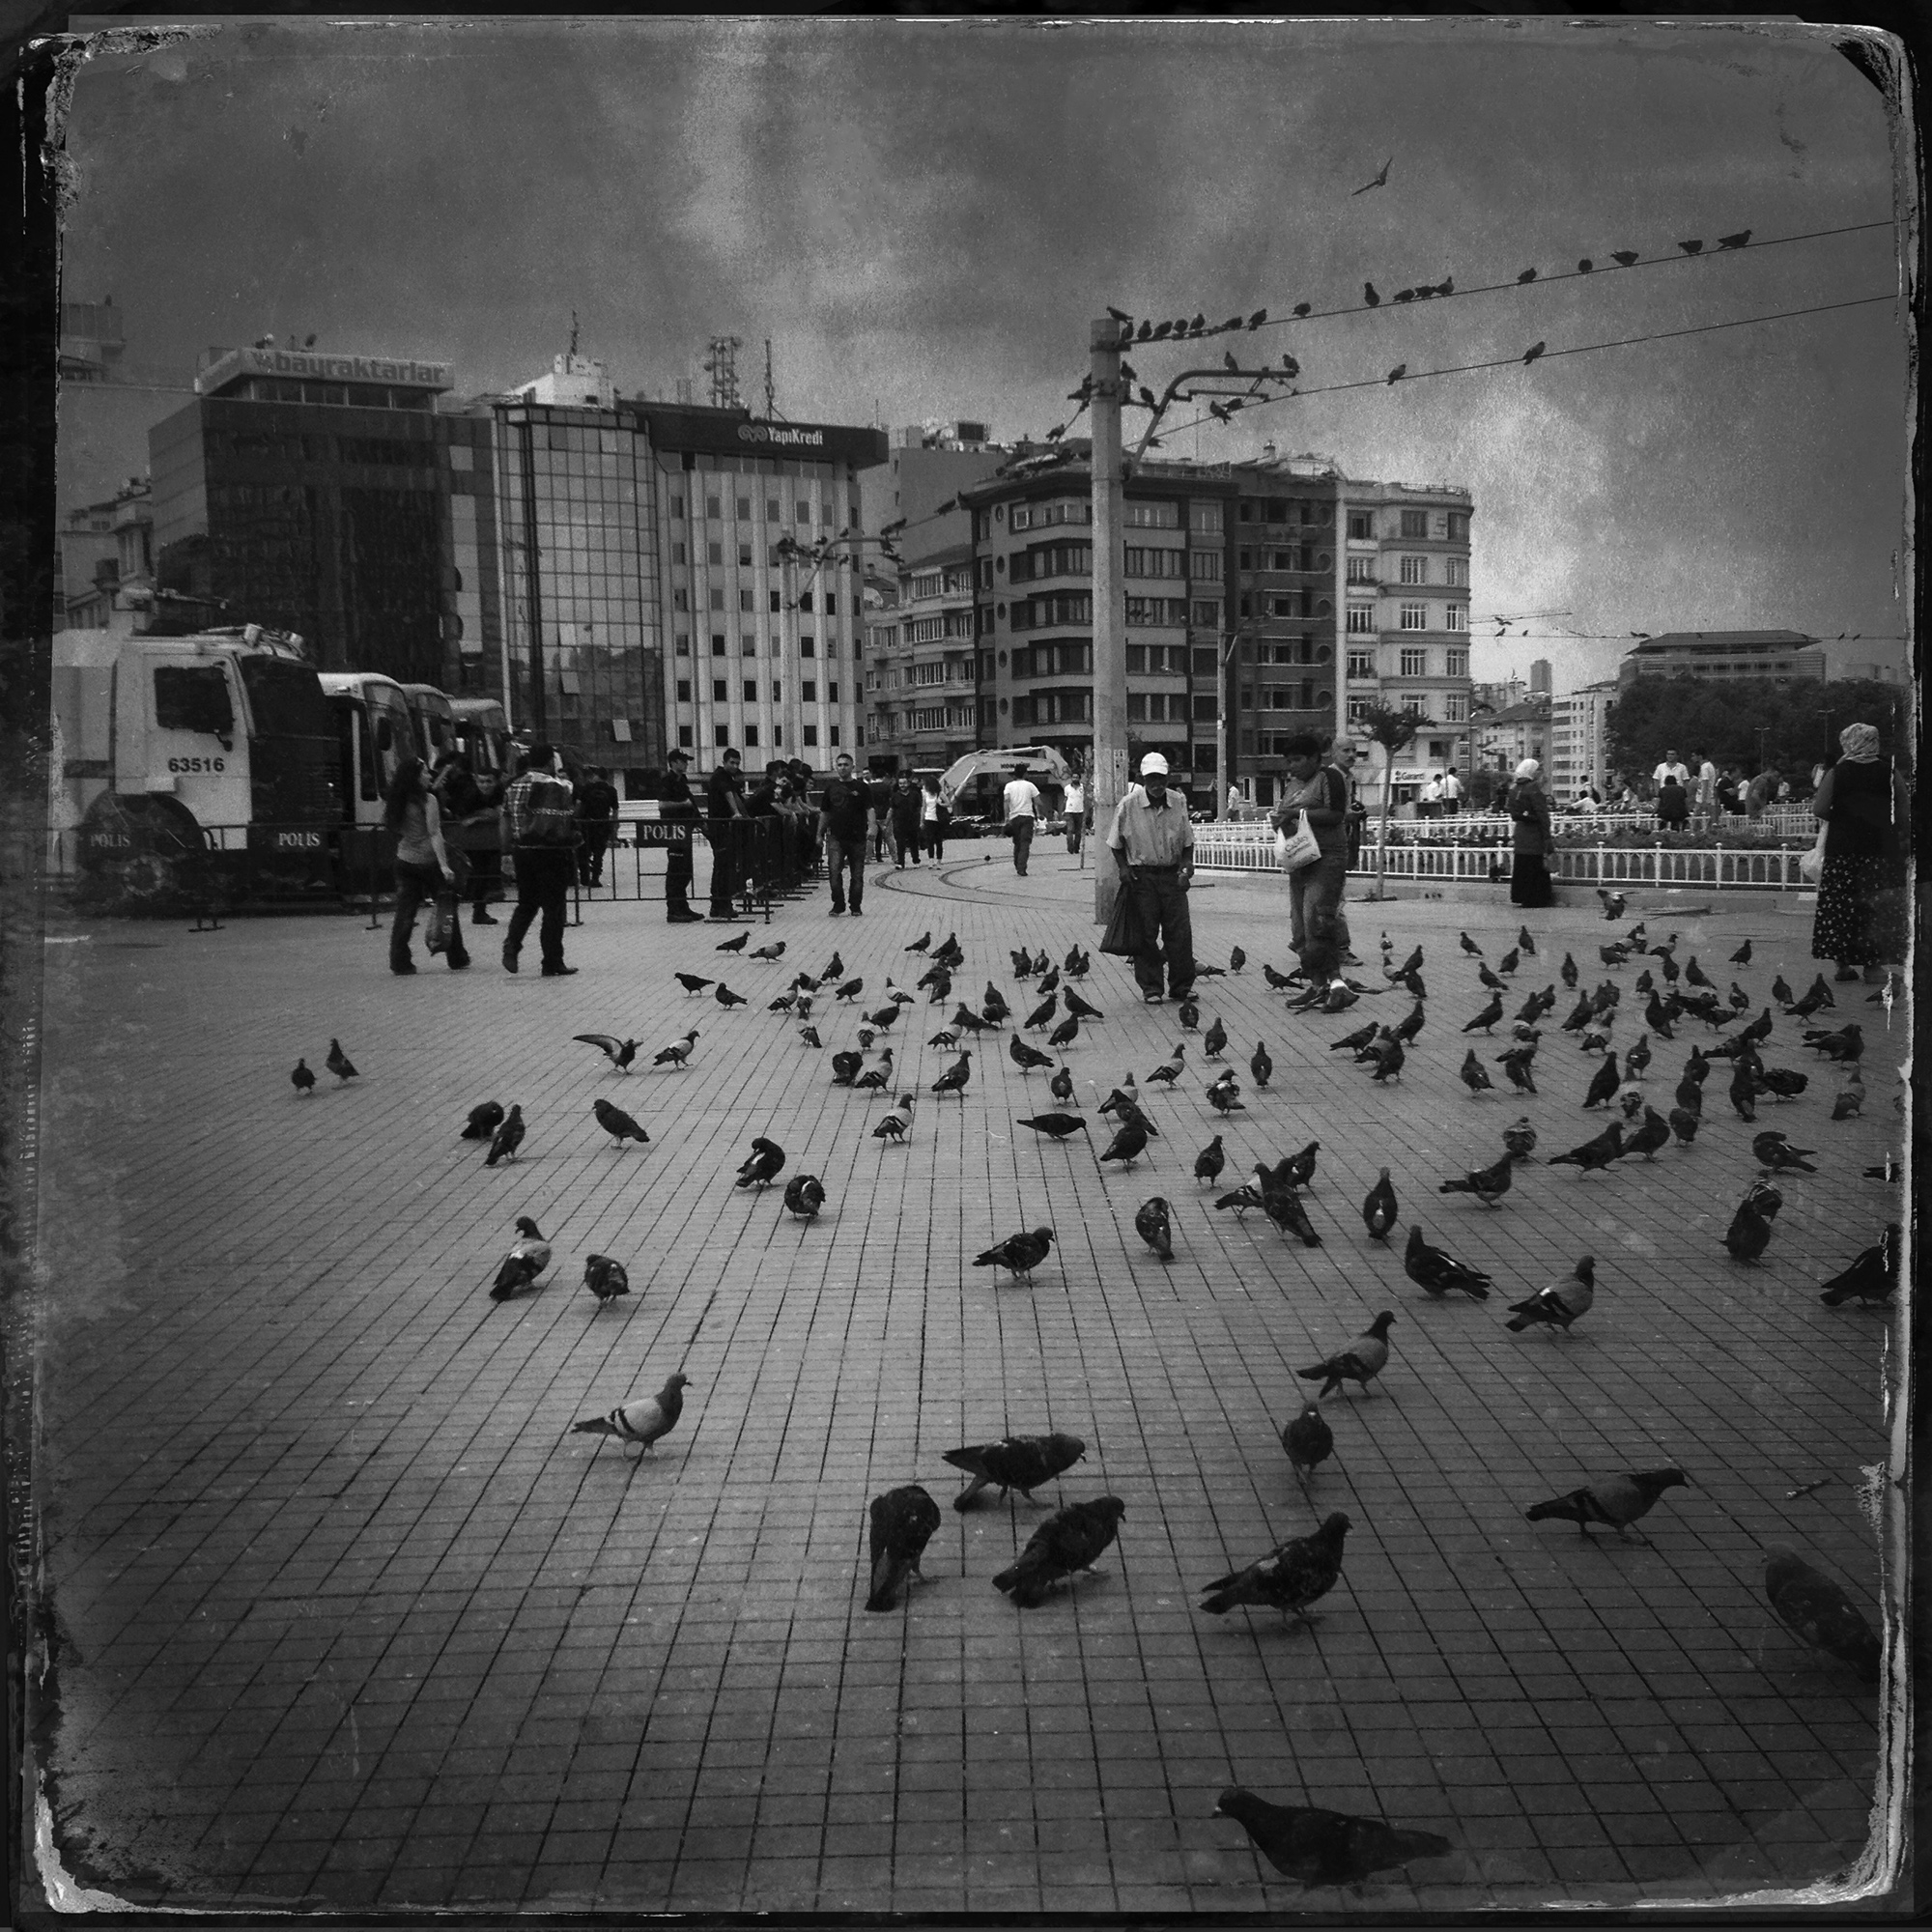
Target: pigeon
point(1317, 1847)
point(1781, 992)
point(1683, 1124)
point(1624, 258)
point(1613, 903)
point(1280, 981)
point(1519, 1137)
point(507, 1138)
point(1749, 1232)
point(1236, 959)
point(1652, 1134)
point(617, 1123)
point(1056, 1126)
point(1812, 1606)
point(783, 1003)
point(1389, 1058)
point(1560, 1303)
point(483, 1122)
point(1123, 1098)
point(1636, 1061)
point(734, 944)
point(1469, 945)
point(1381, 180)
point(834, 967)
point(1042, 1013)
point(1189, 1016)
point(1355, 1042)
point(1240, 1200)
point(678, 1053)
point(1436, 1270)
point(1167, 1074)
point(1890, 1170)
point(1289, 1578)
point(1736, 241)
point(303, 1082)
point(1153, 1224)
point(618, 1052)
point(1475, 1075)
point(1018, 1254)
point(1260, 1066)
point(728, 999)
point(1308, 1440)
point(1061, 1086)
point(691, 983)
point(1616, 1503)
point(1510, 961)
point(1369, 294)
point(1594, 1155)
point(339, 1064)
point(1871, 1276)
point(1361, 1361)
point(1283, 1206)
point(1298, 1169)
point(761, 1169)
point(1851, 1099)
point(641, 1420)
point(1215, 1039)
point(1568, 973)
point(1064, 1033)
point(1485, 977)
point(605, 1278)
point(946, 1038)
point(1516, 1064)
point(1128, 1143)
point(953, 1080)
point(876, 1079)
point(1743, 1091)
point(1225, 1097)
point(1082, 1009)
point(1527, 275)
point(1487, 1184)
point(1488, 1017)
point(1069, 1540)
point(1378, 1209)
point(804, 1196)
point(1603, 1084)
point(1847, 1044)
point(1776, 1156)
point(845, 1066)
point(901, 1521)
point(528, 1256)
point(1534, 349)
point(1021, 1462)
point(1211, 1160)
point(810, 1036)
point(1026, 1058)
point(1695, 976)
point(850, 989)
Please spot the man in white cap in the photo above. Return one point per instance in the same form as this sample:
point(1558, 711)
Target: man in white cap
point(1153, 840)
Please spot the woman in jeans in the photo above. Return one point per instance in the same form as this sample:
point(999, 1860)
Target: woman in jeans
point(1320, 933)
point(932, 818)
point(903, 807)
point(423, 867)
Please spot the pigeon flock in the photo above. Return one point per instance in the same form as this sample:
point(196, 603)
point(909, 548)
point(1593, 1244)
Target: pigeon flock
point(1620, 1047)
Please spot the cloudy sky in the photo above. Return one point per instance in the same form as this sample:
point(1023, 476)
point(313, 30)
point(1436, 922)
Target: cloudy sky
point(924, 216)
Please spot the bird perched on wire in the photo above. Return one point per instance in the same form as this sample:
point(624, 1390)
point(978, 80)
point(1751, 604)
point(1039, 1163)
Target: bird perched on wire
point(728, 999)
point(897, 1123)
point(1560, 1303)
point(1378, 1209)
point(303, 1082)
point(1814, 1608)
point(1519, 1137)
point(1616, 1503)
point(1056, 1126)
point(1153, 1224)
point(483, 1121)
point(804, 1196)
point(1211, 1160)
point(761, 1169)
point(1776, 1156)
point(1308, 1440)
point(339, 1064)
point(1283, 1206)
point(1021, 1462)
point(617, 1123)
point(507, 1138)
point(645, 1419)
point(901, 1523)
point(678, 1053)
point(1592, 1156)
point(1436, 1271)
point(1071, 1540)
point(1474, 1075)
point(1749, 1232)
point(1018, 1254)
point(1129, 1141)
point(528, 1256)
point(605, 1278)
point(1487, 1184)
point(1871, 1276)
point(1289, 1578)
point(1360, 1362)
point(953, 1080)
point(1317, 1847)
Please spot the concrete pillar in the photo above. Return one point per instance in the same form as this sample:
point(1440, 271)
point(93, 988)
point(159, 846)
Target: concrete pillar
point(1110, 777)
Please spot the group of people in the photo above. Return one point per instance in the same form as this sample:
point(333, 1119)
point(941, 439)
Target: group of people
point(1700, 791)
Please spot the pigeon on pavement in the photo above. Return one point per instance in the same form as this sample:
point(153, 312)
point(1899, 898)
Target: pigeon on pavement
point(1594, 1155)
point(678, 1053)
point(1436, 1270)
point(1317, 1847)
point(1652, 1134)
point(1616, 1503)
point(528, 1256)
point(728, 999)
point(1361, 1361)
point(1749, 1232)
point(1308, 1440)
point(507, 1138)
point(1289, 1578)
point(1872, 1277)
point(1021, 1462)
point(1211, 1160)
point(691, 983)
point(1475, 1076)
point(1056, 1126)
point(1153, 1224)
point(1812, 1606)
point(804, 1196)
point(733, 944)
point(605, 1278)
point(1560, 1303)
point(339, 1064)
point(303, 1081)
point(1519, 1138)
point(902, 1521)
point(1776, 1156)
point(483, 1122)
point(641, 1420)
point(761, 1169)
point(1378, 1209)
point(1071, 1540)
point(1283, 1206)
point(1487, 1184)
point(618, 1052)
point(1018, 1254)
point(617, 1123)
point(1128, 1143)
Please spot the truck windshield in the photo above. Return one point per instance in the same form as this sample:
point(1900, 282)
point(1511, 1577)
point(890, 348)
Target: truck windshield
point(192, 698)
point(286, 698)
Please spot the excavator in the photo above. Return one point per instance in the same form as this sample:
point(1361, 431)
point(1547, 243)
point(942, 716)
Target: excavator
point(1039, 763)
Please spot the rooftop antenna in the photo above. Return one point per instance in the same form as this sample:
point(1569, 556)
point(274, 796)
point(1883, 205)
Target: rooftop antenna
point(573, 332)
point(721, 366)
point(771, 392)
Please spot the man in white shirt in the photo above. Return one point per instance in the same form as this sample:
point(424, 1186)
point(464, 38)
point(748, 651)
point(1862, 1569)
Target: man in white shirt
point(1451, 794)
point(1075, 809)
point(1429, 805)
point(1022, 809)
point(1153, 840)
point(1704, 805)
point(1672, 767)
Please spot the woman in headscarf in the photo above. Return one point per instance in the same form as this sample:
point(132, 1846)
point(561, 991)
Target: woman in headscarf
point(1529, 812)
point(1863, 899)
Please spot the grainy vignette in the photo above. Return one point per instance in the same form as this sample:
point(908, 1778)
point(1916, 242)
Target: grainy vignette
point(61, 1835)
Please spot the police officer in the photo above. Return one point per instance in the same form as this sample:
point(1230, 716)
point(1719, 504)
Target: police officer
point(677, 806)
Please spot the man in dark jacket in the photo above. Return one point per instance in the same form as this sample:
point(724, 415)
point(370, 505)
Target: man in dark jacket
point(596, 824)
point(724, 826)
point(845, 817)
point(677, 808)
point(539, 813)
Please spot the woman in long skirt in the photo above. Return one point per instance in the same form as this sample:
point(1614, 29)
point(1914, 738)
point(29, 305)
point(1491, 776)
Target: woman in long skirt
point(1529, 813)
point(1864, 900)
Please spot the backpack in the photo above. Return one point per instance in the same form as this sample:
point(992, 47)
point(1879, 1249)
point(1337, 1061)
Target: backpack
point(549, 813)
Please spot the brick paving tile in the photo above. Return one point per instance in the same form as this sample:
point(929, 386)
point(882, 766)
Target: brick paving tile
point(350, 1616)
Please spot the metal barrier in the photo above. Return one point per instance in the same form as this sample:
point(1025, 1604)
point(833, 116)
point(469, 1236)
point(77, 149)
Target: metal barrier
point(771, 857)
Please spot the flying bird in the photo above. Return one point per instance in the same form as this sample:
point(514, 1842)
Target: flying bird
point(303, 1082)
point(1289, 1577)
point(1317, 1847)
point(804, 1196)
point(1071, 1540)
point(1018, 1254)
point(507, 1138)
point(528, 1256)
point(641, 1420)
point(605, 1278)
point(1153, 1224)
point(1360, 1362)
point(1809, 1605)
point(1560, 1303)
point(1021, 1462)
point(483, 1122)
point(1381, 180)
point(339, 1064)
point(761, 1169)
point(617, 1123)
point(1616, 1503)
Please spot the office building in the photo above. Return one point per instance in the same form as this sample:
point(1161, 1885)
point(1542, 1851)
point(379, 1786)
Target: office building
point(1775, 654)
point(1504, 738)
point(1577, 738)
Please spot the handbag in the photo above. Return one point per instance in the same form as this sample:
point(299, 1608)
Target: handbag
point(1300, 848)
point(1811, 866)
point(1123, 936)
point(441, 922)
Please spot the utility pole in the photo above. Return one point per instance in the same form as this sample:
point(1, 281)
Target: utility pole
point(771, 389)
point(1109, 779)
point(1341, 664)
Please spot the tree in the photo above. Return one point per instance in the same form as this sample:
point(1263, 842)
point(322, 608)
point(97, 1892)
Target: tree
point(1385, 725)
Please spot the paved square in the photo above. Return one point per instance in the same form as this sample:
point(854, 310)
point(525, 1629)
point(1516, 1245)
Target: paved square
point(340, 1612)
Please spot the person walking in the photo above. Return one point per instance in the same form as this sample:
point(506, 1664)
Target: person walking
point(903, 811)
point(1529, 815)
point(678, 808)
point(472, 828)
point(596, 824)
point(724, 827)
point(424, 865)
point(1318, 932)
point(540, 827)
point(843, 816)
point(1022, 808)
point(1075, 809)
point(1153, 841)
point(1863, 894)
point(1234, 801)
point(933, 817)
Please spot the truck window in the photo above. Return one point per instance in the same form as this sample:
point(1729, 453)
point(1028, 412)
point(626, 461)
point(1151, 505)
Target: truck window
point(193, 697)
point(285, 697)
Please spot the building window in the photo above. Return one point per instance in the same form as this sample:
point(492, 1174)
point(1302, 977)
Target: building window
point(804, 600)
point(684, 737)
point(1358, 709)
point(680, 600)
point(832, 693)
point(720, 691)
point(721, 735)
point(745, 508)
point(1361, 664)
point(1361, 523)
point(743, 555)
point(1456, 570)
point(713, 507)
point(831, 604)
point(1459, 524)
point(1361, 619)
point(1415, 616)
point(1361, 570)
point(684, 691)
point(1459, 660)
point(1415, 570)
point(804, 511)
point(834, 735)
point(677, 553)
point(808, 693)
point(677, 509)
point(745, 603)
point(1415, 523)
point(718, 597)
point(811, 734)
point(1415, 664)
point(714, 552)
point(1207, 565)
point(1414, 701)
point(751, 735)
point(1455, 616)
point(1454, 707)
point(684, 644)
point(718, 644)
point(1204, 519)
point(751, 691)
point(1204, 616)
